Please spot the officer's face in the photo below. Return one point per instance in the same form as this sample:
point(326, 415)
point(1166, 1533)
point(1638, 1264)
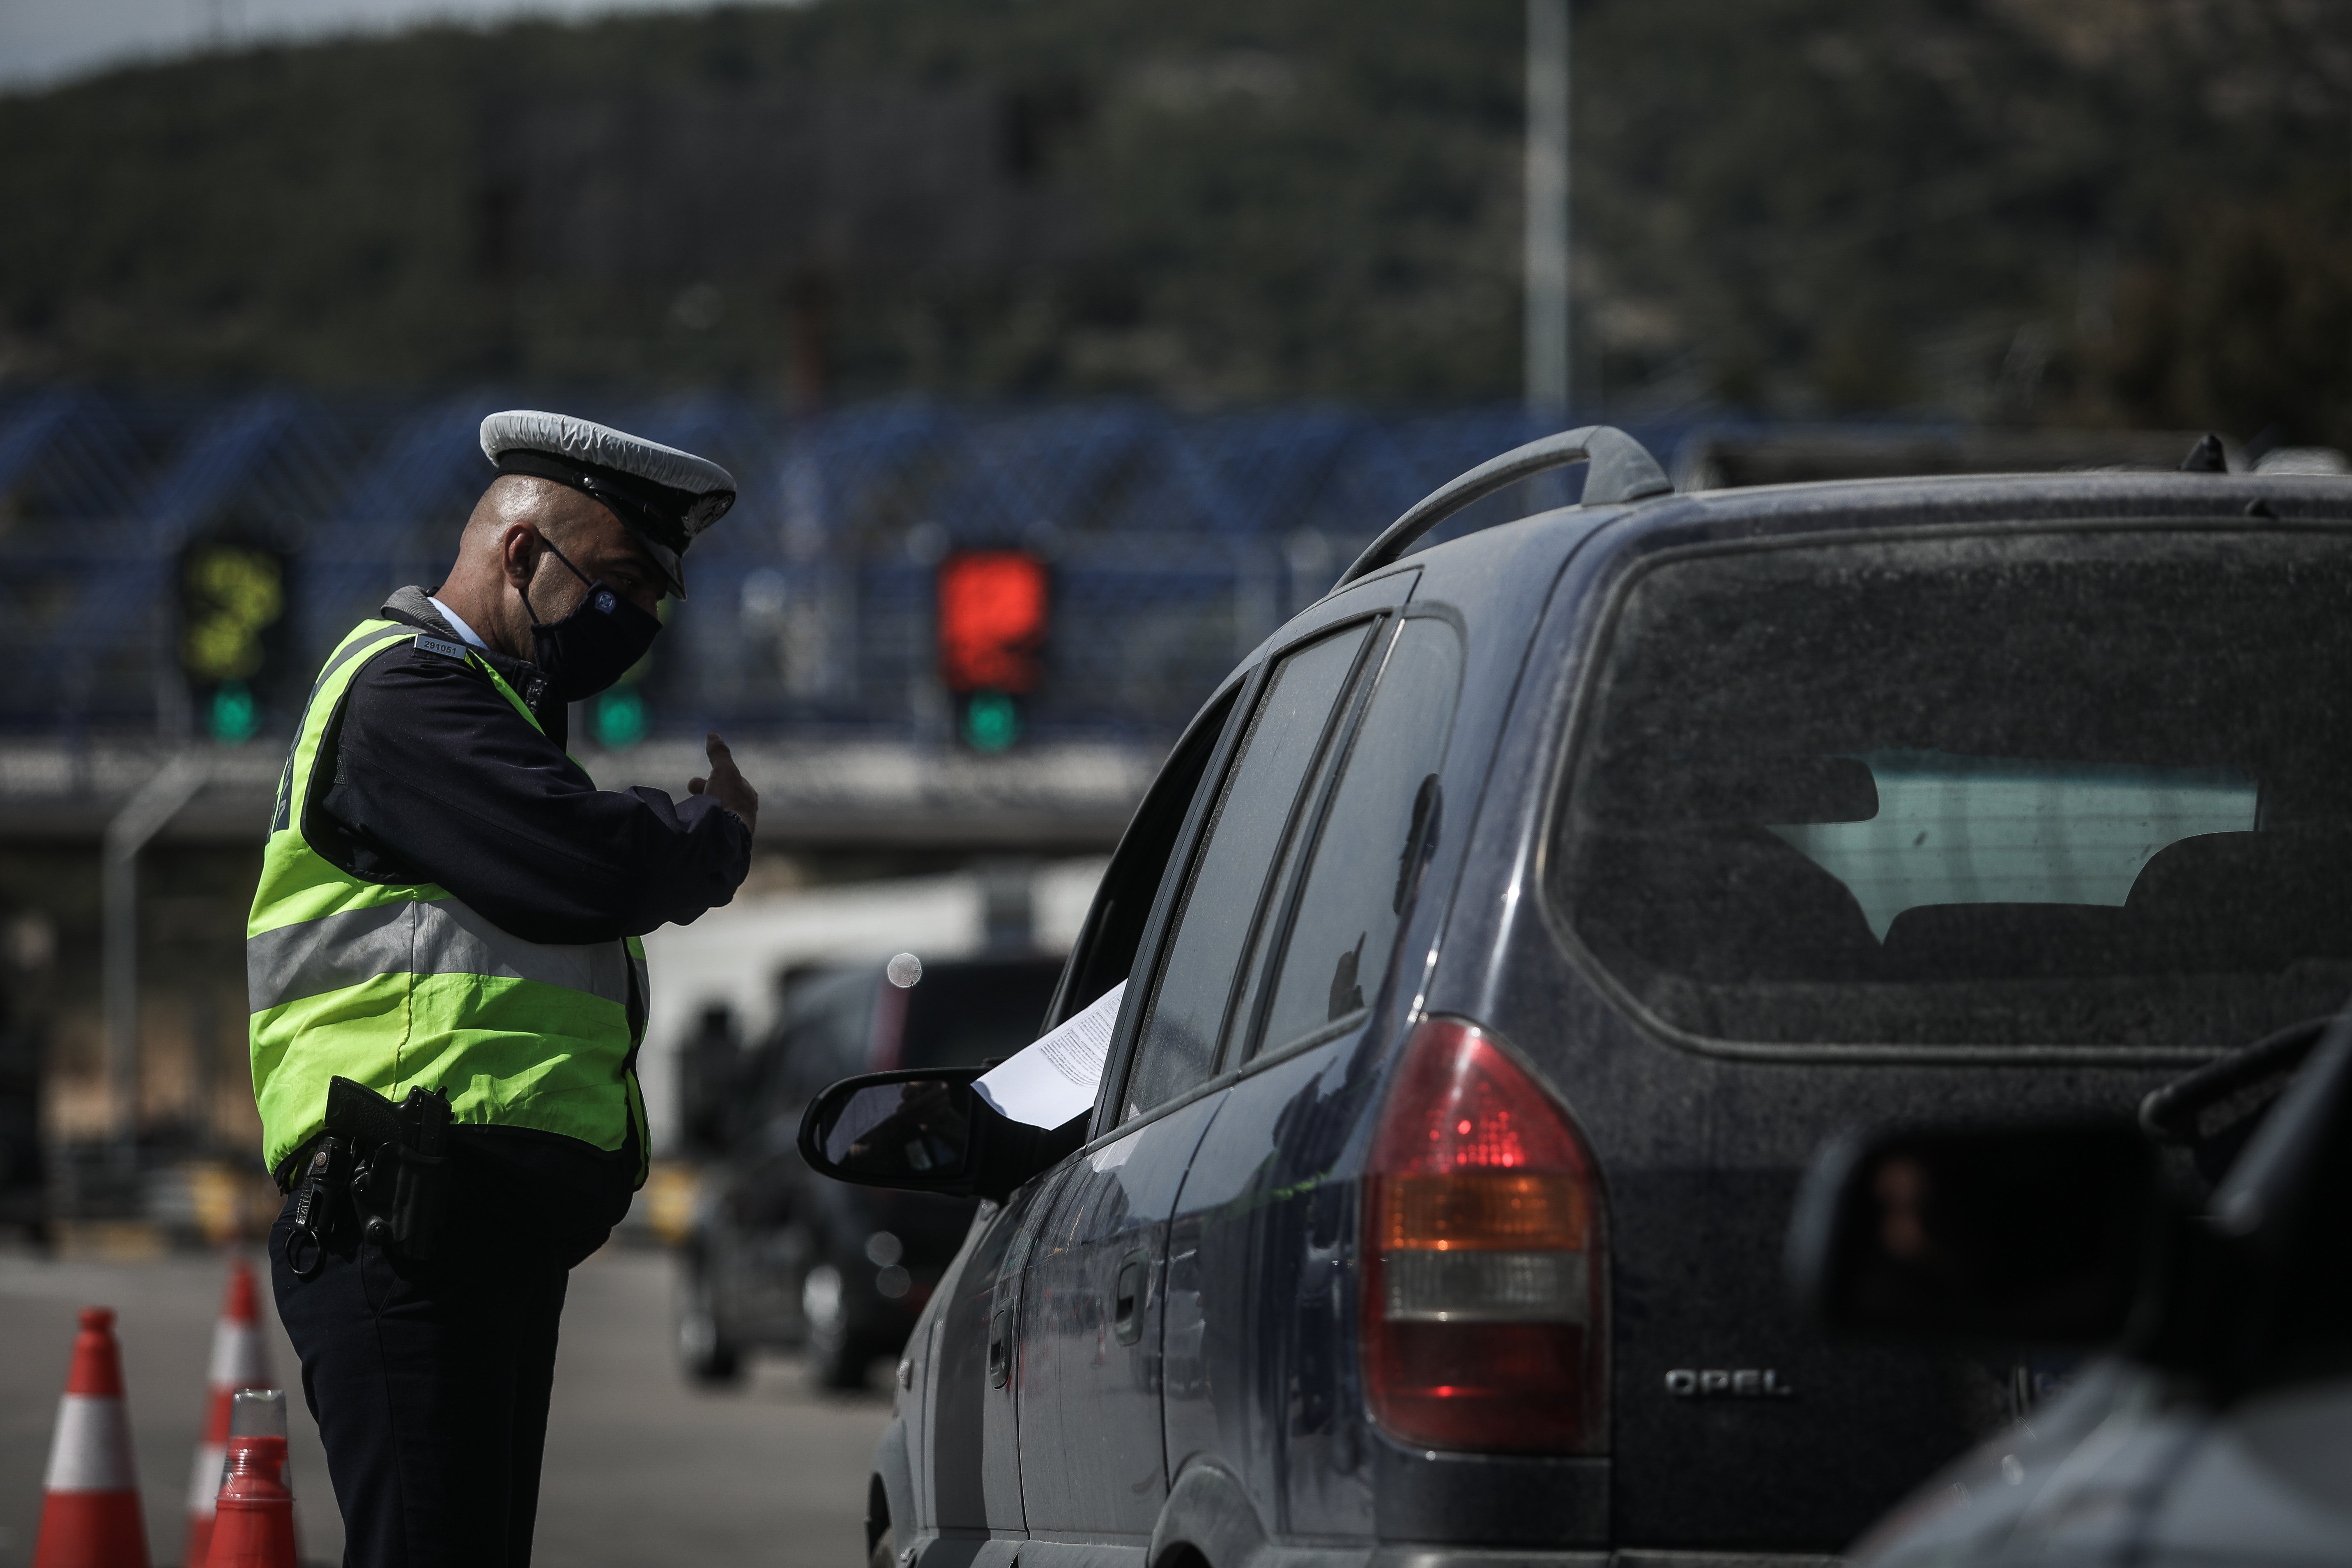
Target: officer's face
point(603, 550)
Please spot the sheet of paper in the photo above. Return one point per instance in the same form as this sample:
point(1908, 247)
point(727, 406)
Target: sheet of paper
point(1047, 1083)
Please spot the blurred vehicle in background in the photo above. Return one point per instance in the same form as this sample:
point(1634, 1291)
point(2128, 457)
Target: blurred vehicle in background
point(779, 1257)
point(23, 1186)
point(2223, 1431)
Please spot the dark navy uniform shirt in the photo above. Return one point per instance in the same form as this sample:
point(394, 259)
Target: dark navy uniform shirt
point(436, 778)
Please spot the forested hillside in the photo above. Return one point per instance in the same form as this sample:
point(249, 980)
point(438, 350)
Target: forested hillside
point(2013, 209)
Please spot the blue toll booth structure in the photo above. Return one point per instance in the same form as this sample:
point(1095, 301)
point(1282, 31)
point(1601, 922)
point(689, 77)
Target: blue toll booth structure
point(1175, 541)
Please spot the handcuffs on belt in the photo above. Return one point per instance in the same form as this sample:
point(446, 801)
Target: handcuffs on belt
point(387, 1164)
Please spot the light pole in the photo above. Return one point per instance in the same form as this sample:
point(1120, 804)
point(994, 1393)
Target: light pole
point(1546, 352)
point(146, 813)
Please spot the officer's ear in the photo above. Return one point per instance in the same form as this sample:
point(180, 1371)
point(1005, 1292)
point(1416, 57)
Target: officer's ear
point(521, 548)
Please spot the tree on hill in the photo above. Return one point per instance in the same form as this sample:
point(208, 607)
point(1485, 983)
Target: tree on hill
point(2102, 210)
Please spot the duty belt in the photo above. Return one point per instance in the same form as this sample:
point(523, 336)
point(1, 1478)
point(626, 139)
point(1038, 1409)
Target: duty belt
point(384, 1167)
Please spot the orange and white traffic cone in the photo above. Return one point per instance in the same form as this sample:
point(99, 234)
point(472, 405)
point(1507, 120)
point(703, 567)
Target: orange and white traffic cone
point(254, 1527)
point(89, 1516)
point(239, 1361)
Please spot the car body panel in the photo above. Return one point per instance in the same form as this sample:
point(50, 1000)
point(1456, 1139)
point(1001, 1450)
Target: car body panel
point(2270, 1482)
point(973, 1471)
point(2132, 1465)
point(1256, 1321)
point(1092, 1457)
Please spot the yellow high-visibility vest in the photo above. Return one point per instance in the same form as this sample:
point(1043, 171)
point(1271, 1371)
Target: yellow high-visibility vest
point(401, 985)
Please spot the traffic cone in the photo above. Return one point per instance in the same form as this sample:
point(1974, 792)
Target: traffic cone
point(239, 1361)
point(254, 1527)
point(89, 1516)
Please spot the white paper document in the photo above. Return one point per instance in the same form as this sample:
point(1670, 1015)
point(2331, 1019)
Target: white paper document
point(1049, 1082)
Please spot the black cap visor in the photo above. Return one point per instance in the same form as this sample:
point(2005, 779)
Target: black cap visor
point(654, 514)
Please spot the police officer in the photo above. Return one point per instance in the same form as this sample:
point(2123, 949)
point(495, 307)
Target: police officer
point(444, 945)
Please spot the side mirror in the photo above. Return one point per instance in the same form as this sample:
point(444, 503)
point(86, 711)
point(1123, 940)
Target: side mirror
point(911, 1130)
point(927, 1131)
point(2035, 1236)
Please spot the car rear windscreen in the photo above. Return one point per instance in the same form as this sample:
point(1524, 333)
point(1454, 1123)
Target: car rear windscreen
point(962, 1014)
point(826, 1031)
point(2084, 788)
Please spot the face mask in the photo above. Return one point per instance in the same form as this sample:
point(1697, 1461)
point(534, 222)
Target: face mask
point(592, 647)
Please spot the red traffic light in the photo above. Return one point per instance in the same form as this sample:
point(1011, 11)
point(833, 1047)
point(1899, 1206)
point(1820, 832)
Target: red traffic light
point(995, 606)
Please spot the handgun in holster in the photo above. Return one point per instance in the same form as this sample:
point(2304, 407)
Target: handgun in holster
point(380, 1167)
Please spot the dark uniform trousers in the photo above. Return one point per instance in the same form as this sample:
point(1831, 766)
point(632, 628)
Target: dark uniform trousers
point(429, 1381)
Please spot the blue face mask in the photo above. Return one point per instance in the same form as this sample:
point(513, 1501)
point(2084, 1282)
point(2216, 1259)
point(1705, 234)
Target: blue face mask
point(596, 645)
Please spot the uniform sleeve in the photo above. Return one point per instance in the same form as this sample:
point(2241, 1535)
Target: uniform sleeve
point(438, 778)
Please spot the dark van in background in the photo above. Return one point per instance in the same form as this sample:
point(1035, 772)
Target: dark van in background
point(779, 1258)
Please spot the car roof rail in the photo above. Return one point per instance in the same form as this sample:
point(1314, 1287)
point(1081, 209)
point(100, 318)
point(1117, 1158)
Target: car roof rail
point(1622, 470)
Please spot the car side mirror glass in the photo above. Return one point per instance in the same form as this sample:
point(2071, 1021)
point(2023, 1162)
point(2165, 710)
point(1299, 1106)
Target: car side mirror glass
point(911, 1130)
point(2021, 1235)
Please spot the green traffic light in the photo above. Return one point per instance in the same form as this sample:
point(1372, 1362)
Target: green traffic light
point(992, 721)
point(619, 719)
point(235, 717)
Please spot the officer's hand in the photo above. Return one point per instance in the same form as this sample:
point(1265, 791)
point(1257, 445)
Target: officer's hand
point(725, 784)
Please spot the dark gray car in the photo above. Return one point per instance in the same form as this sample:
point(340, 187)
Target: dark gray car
point(778, 1258)
point(2219, 1429)
point(1504, 935)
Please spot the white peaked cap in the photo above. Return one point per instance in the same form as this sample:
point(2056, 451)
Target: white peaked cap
point(663, 496)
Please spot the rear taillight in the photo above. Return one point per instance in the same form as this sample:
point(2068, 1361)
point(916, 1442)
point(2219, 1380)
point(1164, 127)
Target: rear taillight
point(1482, 1263)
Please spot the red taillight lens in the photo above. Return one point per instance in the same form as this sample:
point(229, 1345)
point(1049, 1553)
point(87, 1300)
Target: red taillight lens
point(1482, 1287)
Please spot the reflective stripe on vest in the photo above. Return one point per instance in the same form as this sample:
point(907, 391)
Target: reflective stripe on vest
point(404, 986)
point(441, 936)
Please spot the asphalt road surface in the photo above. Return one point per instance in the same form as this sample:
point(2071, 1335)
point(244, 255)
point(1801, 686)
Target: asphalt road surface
point(640, 1468)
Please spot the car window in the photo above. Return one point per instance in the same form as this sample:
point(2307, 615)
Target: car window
point(1382, 822)
point(2026, 789)
point(1177, 1045)
point(1104, 952)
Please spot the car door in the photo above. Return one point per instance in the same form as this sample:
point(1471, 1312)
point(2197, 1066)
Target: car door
point(964, 1365)
point(1259, 1244)
point(1092, 1458)
point(963, 1358)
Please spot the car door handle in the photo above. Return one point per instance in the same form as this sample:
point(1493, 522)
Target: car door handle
point(999, 1348)
point(1134, 1283)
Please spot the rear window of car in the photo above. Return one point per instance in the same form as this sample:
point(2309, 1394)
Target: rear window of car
point(964, 1014)
point(2083, 788)
point(828, 1019)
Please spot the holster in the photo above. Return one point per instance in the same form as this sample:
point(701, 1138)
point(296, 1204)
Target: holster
point(380, 1168)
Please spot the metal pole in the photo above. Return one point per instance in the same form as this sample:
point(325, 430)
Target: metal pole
point(141, 818)
point(1547, 358)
